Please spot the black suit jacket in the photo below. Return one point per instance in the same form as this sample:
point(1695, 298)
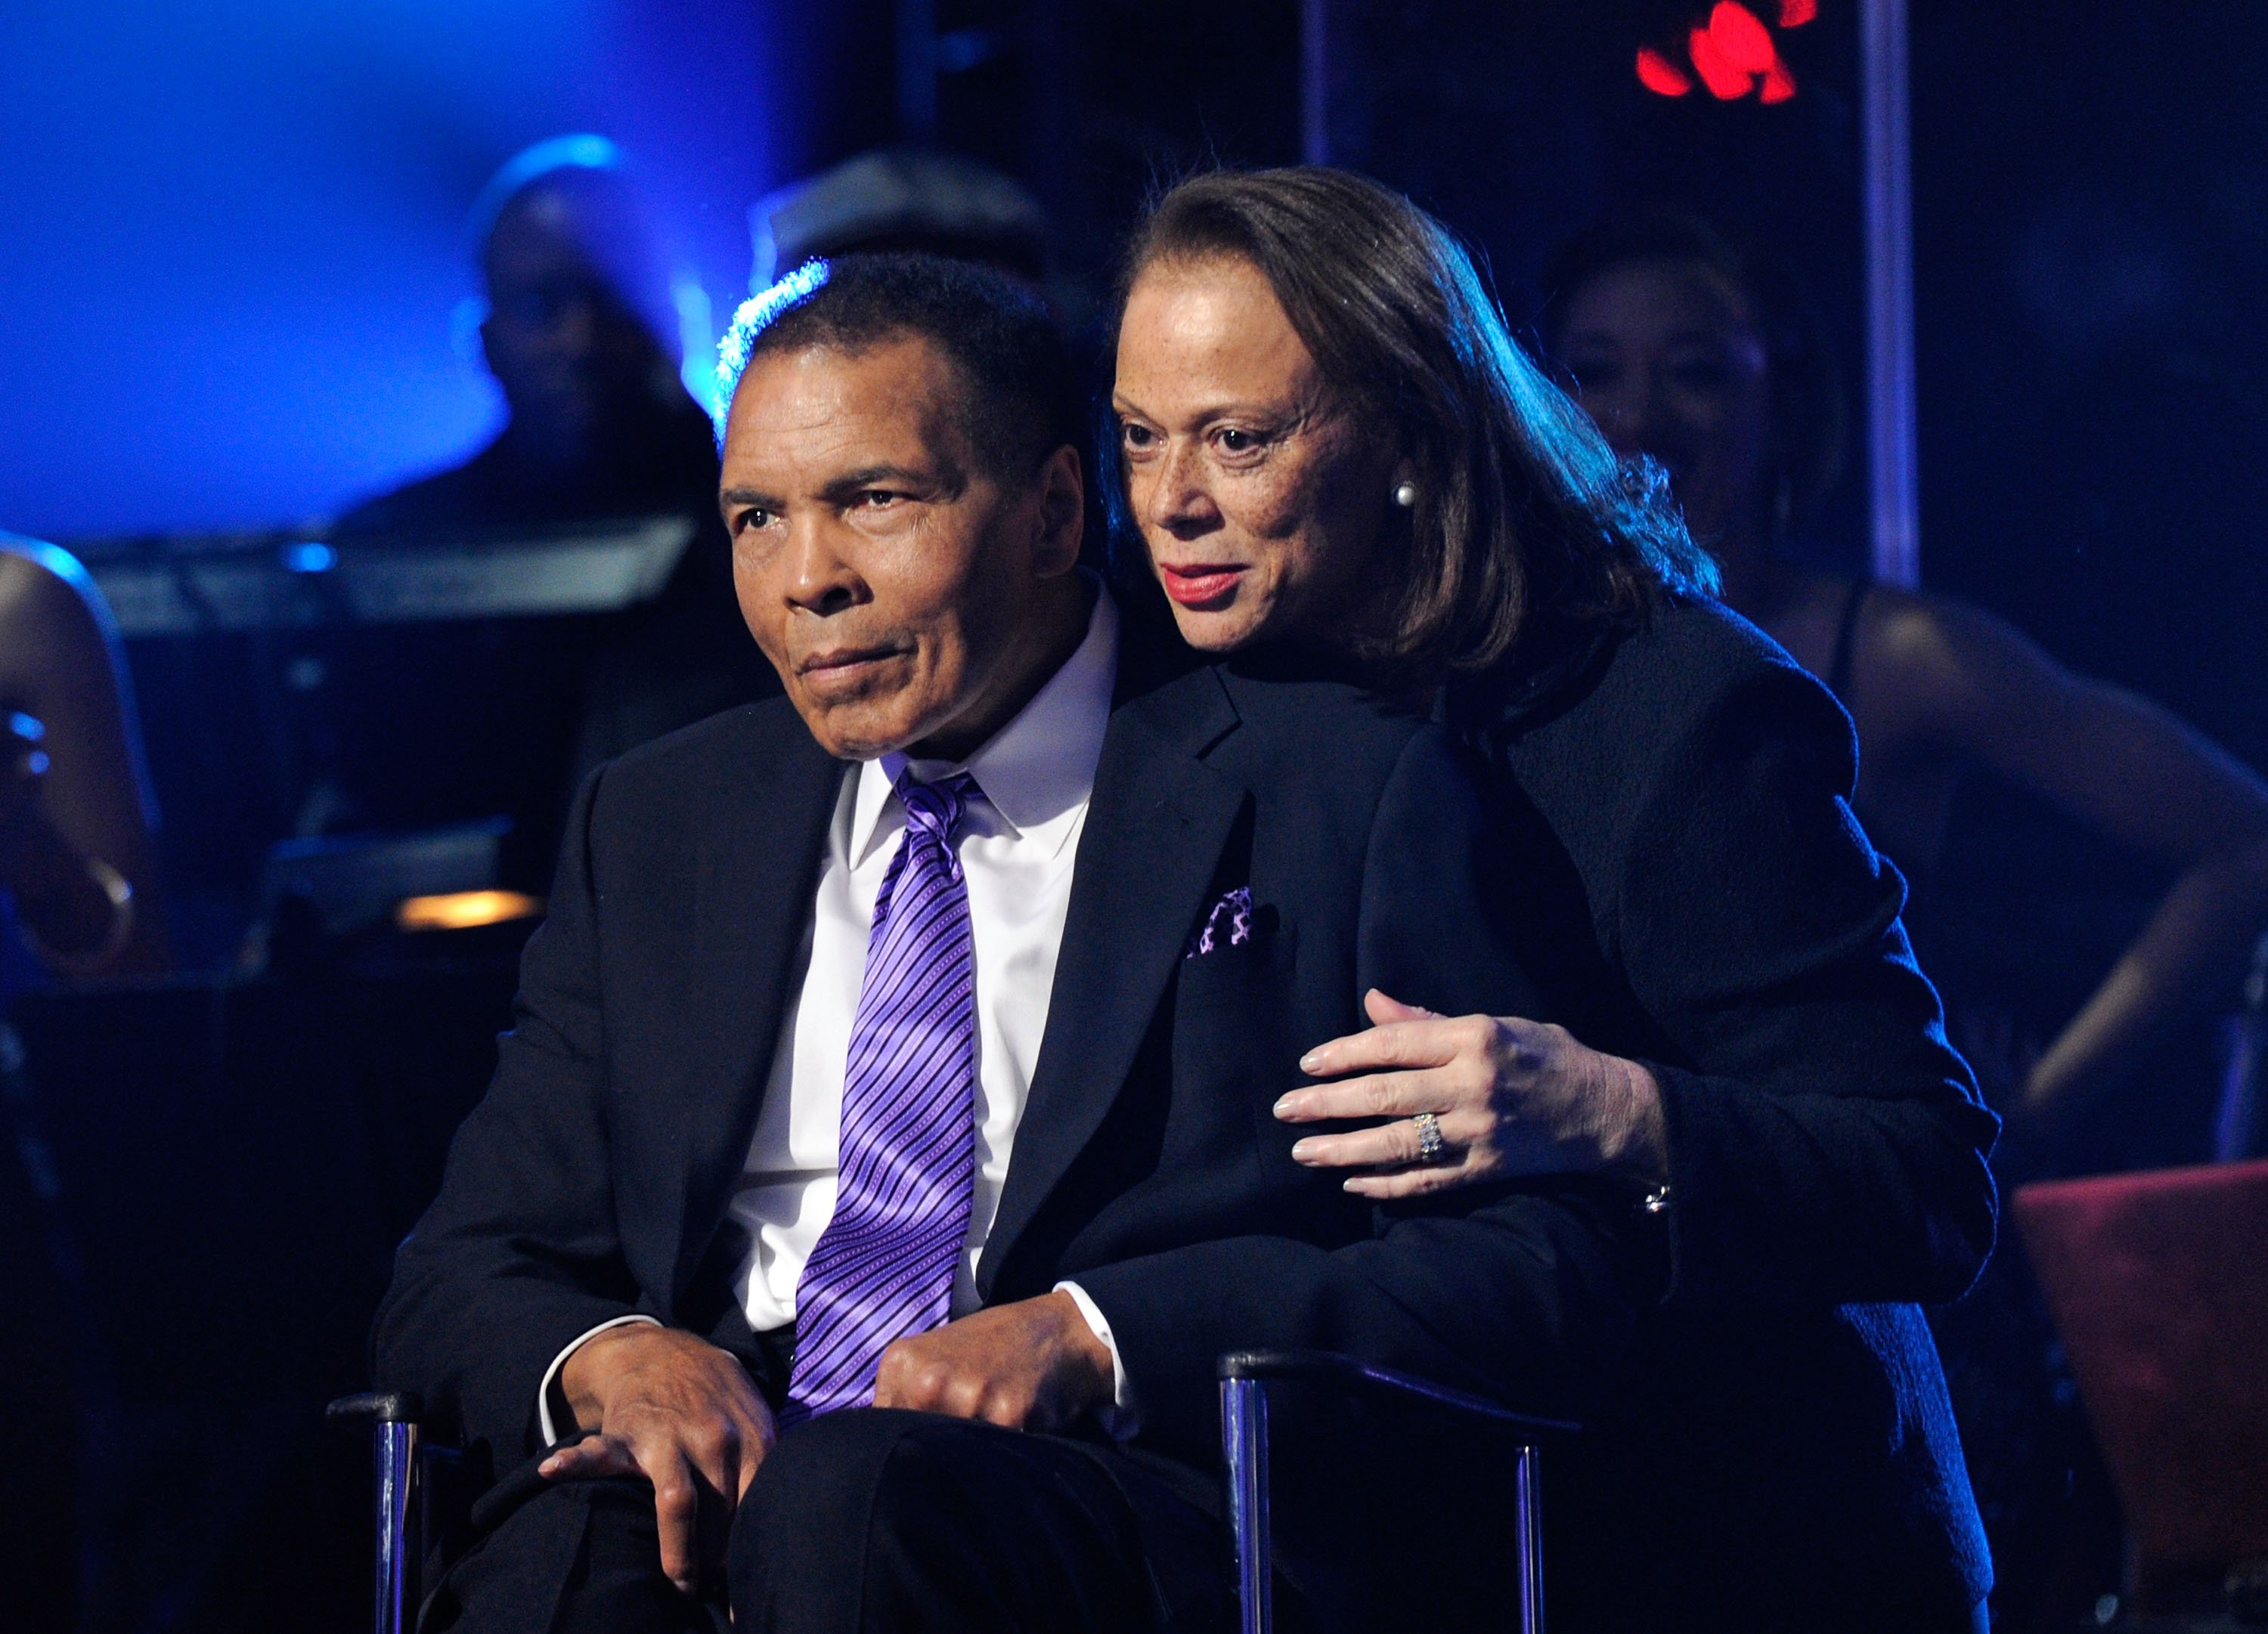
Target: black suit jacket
point(1779, 1452)
point(593, 1179)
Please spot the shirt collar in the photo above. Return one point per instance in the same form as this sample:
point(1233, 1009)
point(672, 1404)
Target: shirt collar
point(1038, 770)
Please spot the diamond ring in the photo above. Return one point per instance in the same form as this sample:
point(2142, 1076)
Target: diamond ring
point(1429, 1137)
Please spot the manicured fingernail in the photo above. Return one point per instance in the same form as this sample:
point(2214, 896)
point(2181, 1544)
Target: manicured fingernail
point(1303, 1152)
point(1286, 1105)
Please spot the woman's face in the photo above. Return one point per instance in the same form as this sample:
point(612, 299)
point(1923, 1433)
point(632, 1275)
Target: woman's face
point(1668, 360)
point(1260, 500)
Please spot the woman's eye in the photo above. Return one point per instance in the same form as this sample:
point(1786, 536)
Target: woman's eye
point(1137, 436)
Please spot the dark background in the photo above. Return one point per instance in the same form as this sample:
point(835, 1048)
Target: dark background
point(234, 234)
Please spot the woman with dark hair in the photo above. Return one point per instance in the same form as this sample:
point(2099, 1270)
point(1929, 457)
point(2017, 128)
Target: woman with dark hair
point(1708, 358)
point(1328, 443)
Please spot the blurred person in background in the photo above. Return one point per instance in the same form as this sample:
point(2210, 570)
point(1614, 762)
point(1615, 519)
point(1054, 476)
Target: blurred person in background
point(1710, 361)
point(579, 327)
point(78, 863)
point(77, 878)
point(903, 200)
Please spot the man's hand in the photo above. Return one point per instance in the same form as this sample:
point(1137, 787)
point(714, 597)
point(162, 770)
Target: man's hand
point(1034, 1365)
point(683, 1414)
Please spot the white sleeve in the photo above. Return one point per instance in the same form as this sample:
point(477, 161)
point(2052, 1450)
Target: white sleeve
point(544, 1394)
point(1119, 1421)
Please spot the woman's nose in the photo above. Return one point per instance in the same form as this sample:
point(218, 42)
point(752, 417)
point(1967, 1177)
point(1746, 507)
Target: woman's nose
point(1624, 411)
point(1179, 502)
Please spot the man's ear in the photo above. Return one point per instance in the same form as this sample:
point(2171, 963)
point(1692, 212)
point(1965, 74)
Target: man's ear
point(1062, 514)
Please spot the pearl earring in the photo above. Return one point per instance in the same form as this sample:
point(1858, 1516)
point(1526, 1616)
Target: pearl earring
point(1406, 495)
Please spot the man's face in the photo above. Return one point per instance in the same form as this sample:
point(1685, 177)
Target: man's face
point(904, 593)
point(561, 338)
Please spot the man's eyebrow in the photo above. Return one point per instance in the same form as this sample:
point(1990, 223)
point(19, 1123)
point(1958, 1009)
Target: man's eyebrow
point(747, 496)
point(945, 477)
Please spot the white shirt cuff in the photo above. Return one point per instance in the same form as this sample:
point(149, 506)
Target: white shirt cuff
point(1119, 1420)
point(544, 1420)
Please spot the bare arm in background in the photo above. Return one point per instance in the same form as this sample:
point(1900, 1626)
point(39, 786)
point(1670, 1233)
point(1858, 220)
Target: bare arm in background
point(74, 823)
point(1978, 691)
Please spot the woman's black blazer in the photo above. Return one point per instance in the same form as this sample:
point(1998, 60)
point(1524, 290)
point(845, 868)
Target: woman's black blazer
point(1695, 894)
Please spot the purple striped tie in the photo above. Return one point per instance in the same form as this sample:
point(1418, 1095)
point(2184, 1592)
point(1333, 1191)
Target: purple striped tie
point(883, 1267)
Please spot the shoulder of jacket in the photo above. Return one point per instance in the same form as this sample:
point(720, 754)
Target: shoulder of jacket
point(1698, 683)
point(744, 744)
point(1691, 662)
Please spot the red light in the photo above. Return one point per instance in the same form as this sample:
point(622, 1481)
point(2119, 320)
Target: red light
point(1746, 43)
point(1796, 13)
point(1779, 84)
point(1658, 74)
point(1725, 80)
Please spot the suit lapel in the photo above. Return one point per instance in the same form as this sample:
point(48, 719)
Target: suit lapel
point(1156, 826)
point(753, 898)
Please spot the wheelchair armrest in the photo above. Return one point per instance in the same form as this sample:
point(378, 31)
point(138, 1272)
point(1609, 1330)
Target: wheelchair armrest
point(392, 1416)
point(1245, 1376)
point(384, 1407)
point(1350, 1374)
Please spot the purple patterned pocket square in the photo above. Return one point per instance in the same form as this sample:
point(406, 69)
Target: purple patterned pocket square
point(1227, 925)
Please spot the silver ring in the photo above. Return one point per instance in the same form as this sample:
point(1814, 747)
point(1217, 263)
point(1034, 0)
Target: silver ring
point(1430, 1144)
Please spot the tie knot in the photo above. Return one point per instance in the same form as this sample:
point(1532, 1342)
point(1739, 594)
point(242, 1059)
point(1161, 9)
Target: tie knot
point(935, 809)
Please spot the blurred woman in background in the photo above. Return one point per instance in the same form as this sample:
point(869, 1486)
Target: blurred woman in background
point(1710, 362)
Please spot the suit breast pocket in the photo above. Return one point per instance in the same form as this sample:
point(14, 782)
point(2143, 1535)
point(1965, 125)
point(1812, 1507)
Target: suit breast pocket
point(1259, 971)
point(1236, 1049)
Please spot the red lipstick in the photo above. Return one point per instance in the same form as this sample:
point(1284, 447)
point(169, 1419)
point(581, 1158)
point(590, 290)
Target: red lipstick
point(1199, 585)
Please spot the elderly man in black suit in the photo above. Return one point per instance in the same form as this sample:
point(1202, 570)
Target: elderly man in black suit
point(884, 1150)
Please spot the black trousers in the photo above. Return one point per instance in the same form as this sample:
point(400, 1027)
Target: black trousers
point(869, 1520)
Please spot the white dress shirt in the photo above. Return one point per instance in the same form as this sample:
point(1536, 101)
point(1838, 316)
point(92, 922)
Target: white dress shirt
point(1017, 846)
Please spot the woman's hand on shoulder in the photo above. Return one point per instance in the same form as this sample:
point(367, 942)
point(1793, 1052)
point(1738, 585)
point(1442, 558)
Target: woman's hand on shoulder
point(1508, 1097)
